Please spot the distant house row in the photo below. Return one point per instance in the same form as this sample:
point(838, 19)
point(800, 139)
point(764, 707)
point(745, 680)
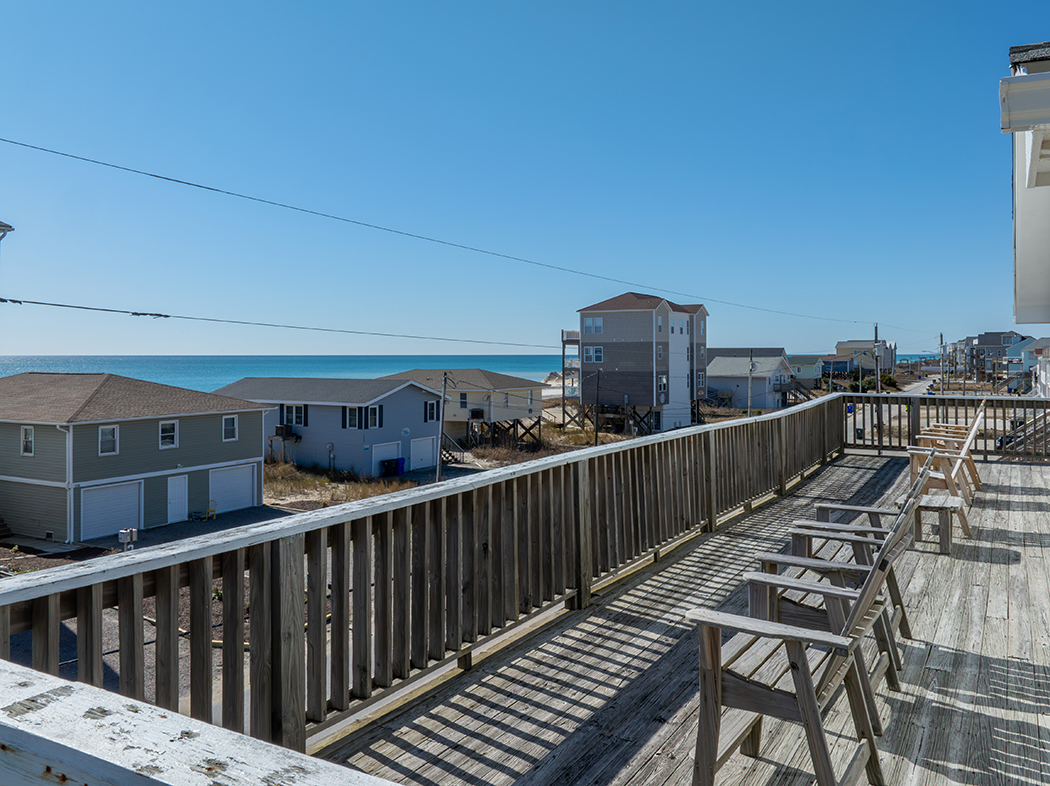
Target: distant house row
point(83, 456)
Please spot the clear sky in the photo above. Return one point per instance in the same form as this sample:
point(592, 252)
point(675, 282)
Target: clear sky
point(835, 159)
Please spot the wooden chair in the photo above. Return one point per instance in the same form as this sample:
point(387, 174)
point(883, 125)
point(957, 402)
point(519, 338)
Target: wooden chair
point(211, 510)
point(754, 672)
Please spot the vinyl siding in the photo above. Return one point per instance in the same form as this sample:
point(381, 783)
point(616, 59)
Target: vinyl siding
point(352, 447)
point(627, 367)
point(33, 510)
point(48, 461)
point(621, 326)
point(200, 444)
point(518, 405)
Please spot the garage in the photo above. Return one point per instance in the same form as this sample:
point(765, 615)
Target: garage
point(381, 452)
point(105, 510)
point(232, 488)
point(423, 453)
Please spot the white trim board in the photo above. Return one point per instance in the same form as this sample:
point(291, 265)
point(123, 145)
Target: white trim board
point(161, 473)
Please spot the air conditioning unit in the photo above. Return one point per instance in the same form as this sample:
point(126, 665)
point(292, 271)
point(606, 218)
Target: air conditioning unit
point(284, 431)
point(477, 414)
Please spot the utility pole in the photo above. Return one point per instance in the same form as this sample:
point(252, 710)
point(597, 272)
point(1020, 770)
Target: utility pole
point(597, 391)
point(441, 423)
point(942, 363)
point(750, 368)
point(875, 354)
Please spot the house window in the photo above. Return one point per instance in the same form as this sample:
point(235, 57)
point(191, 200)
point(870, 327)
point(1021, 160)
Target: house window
point(169, 434)
point(687, 326)
point(672, 324)
point(688, 352)
point(373, 417)
point(108, 440)
point(660, 353)
point(661, 384)
point(293, 414)
point(27, 440)
point(229, 428)
point(351, 417)
point(656, 420)
point(462, 400)
point(530, 399)
point(592, 324)
point(598, 354)
point(699, 379)
point(430, 409)
point(598, 324)
point(702, 326)
point(703, 351)
point(506, 400)
point(592, 354)
point(659, 324)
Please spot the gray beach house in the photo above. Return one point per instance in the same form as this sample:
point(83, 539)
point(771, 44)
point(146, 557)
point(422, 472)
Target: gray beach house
point(346, 424)
point(83, 456)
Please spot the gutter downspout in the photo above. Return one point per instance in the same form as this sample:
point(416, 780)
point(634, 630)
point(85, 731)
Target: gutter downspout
point(68, 431)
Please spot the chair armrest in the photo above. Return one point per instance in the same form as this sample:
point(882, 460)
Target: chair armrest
point(767, 629)
point(832, 506)
point(816, 565)
point(839, 537)
point(831, 526)
point(801, 585)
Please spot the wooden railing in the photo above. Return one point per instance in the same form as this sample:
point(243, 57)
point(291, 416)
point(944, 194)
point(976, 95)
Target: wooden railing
point(1015, 426)
point(323, 612)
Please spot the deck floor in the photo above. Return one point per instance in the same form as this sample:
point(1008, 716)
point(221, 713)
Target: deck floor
point(608, 695)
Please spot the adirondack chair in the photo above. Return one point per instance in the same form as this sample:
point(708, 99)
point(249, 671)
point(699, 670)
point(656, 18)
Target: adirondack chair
point(957, 441)
point(948, 474)
point(752, 674)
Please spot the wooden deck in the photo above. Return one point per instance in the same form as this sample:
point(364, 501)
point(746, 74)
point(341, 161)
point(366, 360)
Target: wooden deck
point(607, 695)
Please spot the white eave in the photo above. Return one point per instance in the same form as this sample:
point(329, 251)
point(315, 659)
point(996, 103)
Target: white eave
point(1024, 102)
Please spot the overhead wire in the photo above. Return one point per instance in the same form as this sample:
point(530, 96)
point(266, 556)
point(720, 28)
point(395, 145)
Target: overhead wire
point(428, 238)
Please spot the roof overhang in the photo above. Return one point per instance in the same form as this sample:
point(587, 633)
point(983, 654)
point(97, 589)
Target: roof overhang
point(1024, 102)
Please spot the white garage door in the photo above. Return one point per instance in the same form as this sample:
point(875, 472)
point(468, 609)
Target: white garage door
point(232, 488)
point(105, 510)
point(387, 450)
point(422, 453)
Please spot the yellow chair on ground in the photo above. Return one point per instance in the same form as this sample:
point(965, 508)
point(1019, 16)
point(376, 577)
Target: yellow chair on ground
point(211, 510)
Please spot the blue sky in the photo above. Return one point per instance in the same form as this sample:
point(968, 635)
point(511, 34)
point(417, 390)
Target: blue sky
point(830, 159)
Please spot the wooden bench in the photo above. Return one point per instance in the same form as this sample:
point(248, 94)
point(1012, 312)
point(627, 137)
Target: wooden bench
point(794, 671)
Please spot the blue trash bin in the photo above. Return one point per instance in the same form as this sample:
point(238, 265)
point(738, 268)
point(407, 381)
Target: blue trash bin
point(849, 409)
point(401, 466)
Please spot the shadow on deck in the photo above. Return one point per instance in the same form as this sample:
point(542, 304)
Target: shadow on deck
point(608, 695)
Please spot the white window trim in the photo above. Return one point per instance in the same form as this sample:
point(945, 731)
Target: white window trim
point(659, 352)
point(289, 414)
point(599, 355)
point(236, 428)
point(659, 324)
point(22, 441)
point(598, 324)
point(351, 417)
point(373, 417)
point(116, 440)
point(588, 354)
point(432, 407)
point(160, 434)
point(661, 383)
point(462, 400)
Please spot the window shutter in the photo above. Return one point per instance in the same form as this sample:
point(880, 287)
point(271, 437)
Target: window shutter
point(426, 404)
point(280, 414)
point(344, 417)
point(362, 417)
point(306, 414)
point(380, 416)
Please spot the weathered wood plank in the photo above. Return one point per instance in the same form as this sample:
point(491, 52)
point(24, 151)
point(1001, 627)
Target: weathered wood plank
point(201, 665)
point(129, 591)
point(402, 609)
point(167, 646)
point(363, 643)
point(317, 624)
point(89, 635)
point(260, 657)
point(233, 640)
point(289, 642)
point(340, 630)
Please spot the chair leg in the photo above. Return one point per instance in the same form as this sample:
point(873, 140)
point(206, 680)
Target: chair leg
point(710, 720)
point(809, 710)
point(888, 643)
point(868, 693)
point(894, 590)
point(752, 744)
point(854, 683)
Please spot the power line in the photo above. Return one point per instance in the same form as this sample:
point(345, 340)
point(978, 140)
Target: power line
point(428, 239)
point(155, 315)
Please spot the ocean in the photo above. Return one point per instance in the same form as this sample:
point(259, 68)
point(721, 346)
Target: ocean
point(209, 372)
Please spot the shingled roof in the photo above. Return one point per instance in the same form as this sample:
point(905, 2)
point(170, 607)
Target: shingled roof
point(635, 301)
point(306, 390)
point(466, 379)
point(89, 398)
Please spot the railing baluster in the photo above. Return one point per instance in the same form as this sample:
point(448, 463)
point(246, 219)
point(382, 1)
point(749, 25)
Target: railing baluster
point(45, 634)
point(129, 598)
point(89, 635)
point(468, 549)
point(436, 602)
point(363, 641)
point(260, 651)
point(167, 652)
point(233, 640)
point(340, 646)
point(402, 634)
point(497, 560)
point(317, 624)
point(201, 662)
point(289, 639)
point(420, 614)
point(453, 562)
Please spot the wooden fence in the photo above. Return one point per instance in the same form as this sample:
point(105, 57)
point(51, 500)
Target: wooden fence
point(437, 570)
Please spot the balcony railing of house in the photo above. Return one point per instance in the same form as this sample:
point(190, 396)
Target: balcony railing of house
point(570, 335)
point(445, 568)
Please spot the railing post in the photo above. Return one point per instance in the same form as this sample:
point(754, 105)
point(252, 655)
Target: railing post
point(913, 421)
point(582, 558)
point(710, 483)
point(781, 454)
point(289, 643)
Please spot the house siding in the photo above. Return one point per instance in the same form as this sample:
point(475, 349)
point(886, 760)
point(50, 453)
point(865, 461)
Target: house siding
point(48, 461)
point(200, 443)
point(32, 510)
point(518, 406)
point(352, 447)
point(627, 368)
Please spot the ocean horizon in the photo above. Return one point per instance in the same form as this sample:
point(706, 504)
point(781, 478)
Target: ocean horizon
point(210, 372)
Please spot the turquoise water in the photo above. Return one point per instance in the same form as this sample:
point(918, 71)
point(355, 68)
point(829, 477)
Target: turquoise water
point(208, 372)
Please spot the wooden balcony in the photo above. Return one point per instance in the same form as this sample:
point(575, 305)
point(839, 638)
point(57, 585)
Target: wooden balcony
point(537, 610)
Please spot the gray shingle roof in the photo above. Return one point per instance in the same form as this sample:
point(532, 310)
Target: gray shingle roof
point(742, 352)
point(635, 301)
point(466, 379)
point(90, 398)
point(737, 367)
point(306, 390)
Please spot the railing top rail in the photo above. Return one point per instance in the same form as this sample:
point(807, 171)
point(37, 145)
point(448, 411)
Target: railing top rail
point(23, 587)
